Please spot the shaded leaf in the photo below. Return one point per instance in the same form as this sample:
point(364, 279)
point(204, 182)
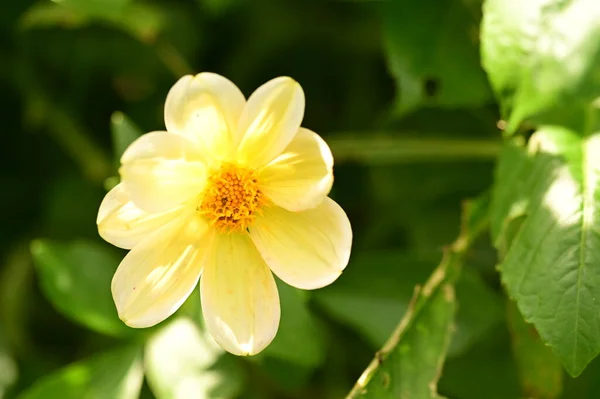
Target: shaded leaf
point(117, 374)
point(298, 338)
point(409, 364)
point(487, 370)
point(431, 47)
point(76, 279)
point(376, 289)
point(541, 372)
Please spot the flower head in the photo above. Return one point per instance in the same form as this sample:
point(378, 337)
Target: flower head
point(232, 191)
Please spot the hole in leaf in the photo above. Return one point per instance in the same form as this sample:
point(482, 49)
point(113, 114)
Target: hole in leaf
point(431, 87)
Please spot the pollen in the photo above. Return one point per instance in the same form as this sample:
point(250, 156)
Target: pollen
point(231, 199)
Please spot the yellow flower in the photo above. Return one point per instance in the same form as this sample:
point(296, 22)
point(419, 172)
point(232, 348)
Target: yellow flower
point(232, 191)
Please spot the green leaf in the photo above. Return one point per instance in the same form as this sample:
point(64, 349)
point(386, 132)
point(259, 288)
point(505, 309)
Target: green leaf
point(76, 278)
point(124, 132)
point(376, 289)
point(552, 268)
point(409, 364)
point(95, 7)
point(182, 361)
point(298, 339)
point(486, 371)
point(143, 21)
point(510, 193)
point(541, 372)
point(541, 56)
point(431, 47)
point(117, 374)
point(8, 367)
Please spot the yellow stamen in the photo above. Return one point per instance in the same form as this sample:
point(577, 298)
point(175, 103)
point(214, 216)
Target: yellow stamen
point(232, 199)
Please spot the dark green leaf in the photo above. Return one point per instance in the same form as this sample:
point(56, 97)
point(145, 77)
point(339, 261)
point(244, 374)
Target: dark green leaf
point(541, 372)
point(552, 268)
point(541, 56)
point(486, 371)
point(182, 361)
point(117, 374)
point(431, 48)
point(376, 288)
point(298, 339)
point(409, 365)
point(76, 278)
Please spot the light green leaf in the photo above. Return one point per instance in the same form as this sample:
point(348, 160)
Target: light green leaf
point(95, 7)
point(142, 21)
point(298, 339)
point(552, 268)
point(376, 289)
point(541, 372)
point(117, 374)
point(431, 48)
point(124, 132)
point(541, 56)
point(76, 278)
point(182, 361)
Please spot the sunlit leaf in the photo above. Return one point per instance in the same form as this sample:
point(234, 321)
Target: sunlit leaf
point(552, 268)
point(540, 370)
point(117, 374)
point(182, 361)
point(432, 46)
point(76, 278)
point(541, 56)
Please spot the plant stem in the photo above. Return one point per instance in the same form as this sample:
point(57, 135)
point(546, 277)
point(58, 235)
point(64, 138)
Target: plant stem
point(379, 150)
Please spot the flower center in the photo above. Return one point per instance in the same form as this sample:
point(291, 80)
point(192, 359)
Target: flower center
point(231, 199)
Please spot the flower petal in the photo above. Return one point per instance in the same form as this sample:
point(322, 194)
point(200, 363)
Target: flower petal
point(269, 121)
point(159, 273)
point(205, 108)
point(161, 171)
point(123, 224)
point(239, 296)
point(302, 176)
point(307, 249)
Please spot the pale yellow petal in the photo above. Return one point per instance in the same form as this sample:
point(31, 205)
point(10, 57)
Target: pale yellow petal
point(269, 121)
point(240, 302)
point(302, 176)
point(123, 224)
point(161, 171)
point(159, 273)
point(307, 249)
point(205, 108)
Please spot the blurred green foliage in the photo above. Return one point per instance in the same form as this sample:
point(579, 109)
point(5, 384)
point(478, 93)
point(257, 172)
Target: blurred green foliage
point(398, 90)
